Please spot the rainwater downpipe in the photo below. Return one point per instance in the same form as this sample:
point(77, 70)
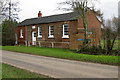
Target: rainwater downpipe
point(26, 36)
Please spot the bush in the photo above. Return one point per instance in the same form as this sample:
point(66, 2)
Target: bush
point(94, 50)
point(8, 32)
point(10, 42)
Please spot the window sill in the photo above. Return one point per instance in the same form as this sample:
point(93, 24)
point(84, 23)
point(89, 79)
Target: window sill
point(21, 37)
point(51, 37)
point(39, 36)
point(65, 37)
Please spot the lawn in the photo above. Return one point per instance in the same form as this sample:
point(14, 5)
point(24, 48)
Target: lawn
point(13, 72)
point(64, 54)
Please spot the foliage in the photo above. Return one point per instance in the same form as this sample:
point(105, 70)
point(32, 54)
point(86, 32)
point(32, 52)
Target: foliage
point(110, 34)
point(115, 47)
point(95, 50)
point(91, 50)
point(8, 32)
point(64, 54)
point(12, 72)
point(9, 15)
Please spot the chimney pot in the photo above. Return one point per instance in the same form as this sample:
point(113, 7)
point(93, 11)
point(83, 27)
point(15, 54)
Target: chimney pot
point(39, 14)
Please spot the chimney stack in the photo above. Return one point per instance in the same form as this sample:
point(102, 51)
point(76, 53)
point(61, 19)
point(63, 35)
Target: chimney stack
point(39, 14)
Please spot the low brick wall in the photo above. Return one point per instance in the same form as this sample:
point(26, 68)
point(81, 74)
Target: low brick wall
point(53, 44)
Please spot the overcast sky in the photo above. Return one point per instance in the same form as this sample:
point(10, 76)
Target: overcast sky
point(30, 8)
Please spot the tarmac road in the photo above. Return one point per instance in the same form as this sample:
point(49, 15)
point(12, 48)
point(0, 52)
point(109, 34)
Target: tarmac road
point(59, 68)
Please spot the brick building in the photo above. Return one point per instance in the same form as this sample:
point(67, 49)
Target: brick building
point(59, 31)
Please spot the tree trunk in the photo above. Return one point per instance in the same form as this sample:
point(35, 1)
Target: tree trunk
point(113, 42)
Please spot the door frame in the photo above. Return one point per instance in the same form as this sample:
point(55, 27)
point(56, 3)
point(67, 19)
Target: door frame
point(34, 40)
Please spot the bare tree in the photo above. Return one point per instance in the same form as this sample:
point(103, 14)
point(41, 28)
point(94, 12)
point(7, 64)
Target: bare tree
point(111, 33)
point(9, 10)
point(80, 6)
point(9, 13)
point(1, 3)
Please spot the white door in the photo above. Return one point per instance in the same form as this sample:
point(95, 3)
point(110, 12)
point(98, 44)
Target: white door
point(34, 38)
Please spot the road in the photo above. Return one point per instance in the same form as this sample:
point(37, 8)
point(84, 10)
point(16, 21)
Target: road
point(59, 68)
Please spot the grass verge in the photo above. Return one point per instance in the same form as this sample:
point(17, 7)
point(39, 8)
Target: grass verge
point(64, 54)
point(13, 72)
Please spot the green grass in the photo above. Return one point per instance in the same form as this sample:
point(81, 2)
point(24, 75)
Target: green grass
point(64, 54)
point(13, 72)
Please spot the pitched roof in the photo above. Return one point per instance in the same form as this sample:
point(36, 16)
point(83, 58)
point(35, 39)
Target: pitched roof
point(50, 19)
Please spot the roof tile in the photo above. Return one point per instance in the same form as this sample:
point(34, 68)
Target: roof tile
point(50, 19)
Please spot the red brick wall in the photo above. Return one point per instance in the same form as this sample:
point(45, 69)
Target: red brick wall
point(93, 25)
point(74, 33)
point(21, 40)
point(58, 45)
point(58, 33)
point(45, 32)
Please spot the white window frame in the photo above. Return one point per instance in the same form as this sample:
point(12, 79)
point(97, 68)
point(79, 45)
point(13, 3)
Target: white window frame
point(51, 36)
point(21, 33)
point(39, 36)
point(65, 36)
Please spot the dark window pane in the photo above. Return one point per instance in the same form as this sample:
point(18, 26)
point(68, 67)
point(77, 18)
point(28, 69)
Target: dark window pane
point(51, 30)
point(40, 31)
point(51, 27)
point(52, 33)
point(34, 34)
point(66, 29)
point(66, 33)
point(21, 32)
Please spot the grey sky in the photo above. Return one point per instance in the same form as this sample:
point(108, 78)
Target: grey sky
point(30, 8)
point(119, 9)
